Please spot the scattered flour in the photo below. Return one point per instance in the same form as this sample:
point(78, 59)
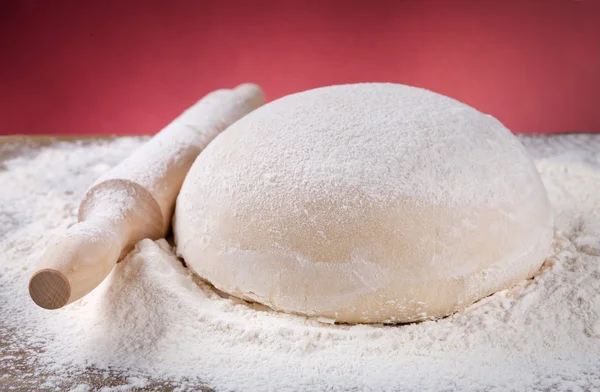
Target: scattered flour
point(152, 321)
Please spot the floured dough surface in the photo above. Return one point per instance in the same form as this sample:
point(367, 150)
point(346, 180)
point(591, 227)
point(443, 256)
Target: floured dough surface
point(364, 203)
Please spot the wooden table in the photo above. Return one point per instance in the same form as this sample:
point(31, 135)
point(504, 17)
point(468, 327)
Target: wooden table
point(16, 374)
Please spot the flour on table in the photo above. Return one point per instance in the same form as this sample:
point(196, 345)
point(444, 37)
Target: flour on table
point(152, 320)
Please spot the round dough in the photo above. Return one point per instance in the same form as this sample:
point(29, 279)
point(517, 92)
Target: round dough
point(364, 203)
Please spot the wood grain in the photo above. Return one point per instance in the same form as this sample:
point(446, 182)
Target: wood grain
point(49, 289)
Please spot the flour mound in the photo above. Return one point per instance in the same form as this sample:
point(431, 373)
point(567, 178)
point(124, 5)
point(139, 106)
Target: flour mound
point(364, 203)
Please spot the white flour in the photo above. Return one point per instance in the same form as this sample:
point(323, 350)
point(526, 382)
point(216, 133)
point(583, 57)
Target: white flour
point(153, 321)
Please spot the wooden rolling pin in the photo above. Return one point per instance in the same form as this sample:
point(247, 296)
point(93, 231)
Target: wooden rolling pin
point(134, 200)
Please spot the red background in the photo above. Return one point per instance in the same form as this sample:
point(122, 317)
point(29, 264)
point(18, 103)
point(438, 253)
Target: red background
point(129, 67)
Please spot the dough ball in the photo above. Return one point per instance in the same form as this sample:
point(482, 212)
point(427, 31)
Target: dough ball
point(364, 203)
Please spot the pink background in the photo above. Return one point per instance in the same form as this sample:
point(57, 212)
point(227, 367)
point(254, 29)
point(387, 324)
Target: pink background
point(129, 67)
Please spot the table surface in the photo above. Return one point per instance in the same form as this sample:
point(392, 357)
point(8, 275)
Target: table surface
point(17, 374)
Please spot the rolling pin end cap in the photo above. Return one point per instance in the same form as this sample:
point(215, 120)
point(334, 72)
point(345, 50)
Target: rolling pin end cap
point(49, 289)
point(251, 93)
